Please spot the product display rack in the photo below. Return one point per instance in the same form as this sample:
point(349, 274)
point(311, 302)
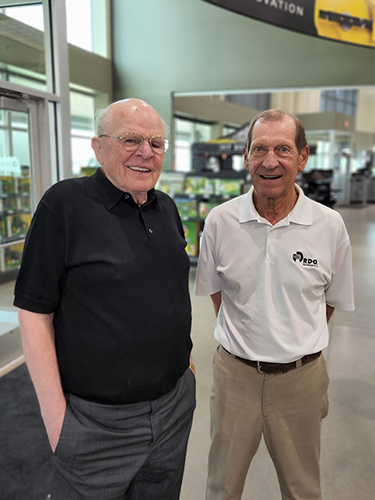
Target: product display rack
point(15, 218)
point(195, 194)
point(193, 210)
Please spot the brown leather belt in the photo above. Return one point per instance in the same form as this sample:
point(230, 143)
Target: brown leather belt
point(265, 367)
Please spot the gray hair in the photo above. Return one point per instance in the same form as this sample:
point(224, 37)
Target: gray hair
point(273, 115)
point(101, 121)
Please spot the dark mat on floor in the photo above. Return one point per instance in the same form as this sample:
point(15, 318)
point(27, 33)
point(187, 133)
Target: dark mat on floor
point(24, 448)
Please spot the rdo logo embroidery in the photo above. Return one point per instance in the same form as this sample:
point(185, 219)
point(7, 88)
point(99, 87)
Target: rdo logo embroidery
point(298, 257)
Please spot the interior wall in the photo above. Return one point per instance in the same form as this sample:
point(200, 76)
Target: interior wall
point(192, 46)
point(297, 102)
point(365, 117)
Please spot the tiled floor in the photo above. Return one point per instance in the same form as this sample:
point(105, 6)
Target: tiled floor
point(348, 453)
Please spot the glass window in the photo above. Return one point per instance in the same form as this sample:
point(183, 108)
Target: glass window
point(82, 130)
point(330, 105)
point(20, 141)
point(87, 25)
point(350, 109)
point(342, 101)
point(2, 143)
point(182, 156)
point(186, 132)
point(340, 106)
point(14, 75)
point(22, 49)
point(82, 110)
point(184, 137)
point(15, 195)
point(202, 132)
point(32, 15)
point(19, 120)
point(228, 129)
point(83, 157)
point(321, 159)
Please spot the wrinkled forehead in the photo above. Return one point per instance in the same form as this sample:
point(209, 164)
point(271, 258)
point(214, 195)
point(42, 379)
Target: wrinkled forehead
point(283, 128)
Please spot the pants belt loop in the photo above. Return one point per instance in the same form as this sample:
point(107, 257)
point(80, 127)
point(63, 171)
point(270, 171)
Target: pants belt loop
point(259, 368)
point(299, 363)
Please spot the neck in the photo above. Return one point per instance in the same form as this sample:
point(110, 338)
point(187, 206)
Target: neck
point(274, 210)
point(140, 199)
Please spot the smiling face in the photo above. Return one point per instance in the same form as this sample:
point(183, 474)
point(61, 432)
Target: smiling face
point(273, 161)
point(134, 172)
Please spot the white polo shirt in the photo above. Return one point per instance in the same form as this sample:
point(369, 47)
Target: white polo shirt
point(275, 281)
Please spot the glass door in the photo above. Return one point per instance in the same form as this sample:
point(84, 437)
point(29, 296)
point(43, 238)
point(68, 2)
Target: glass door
point(16, 205)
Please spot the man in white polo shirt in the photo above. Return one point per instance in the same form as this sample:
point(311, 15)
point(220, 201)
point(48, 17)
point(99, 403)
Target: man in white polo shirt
point(276, 265)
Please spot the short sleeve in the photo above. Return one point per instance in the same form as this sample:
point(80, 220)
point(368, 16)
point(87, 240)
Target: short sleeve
point(208, 280)
point(339, 293)
point(42, 269)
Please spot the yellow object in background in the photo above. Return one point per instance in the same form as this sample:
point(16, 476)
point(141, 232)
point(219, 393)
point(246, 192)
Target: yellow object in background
point(350, 21)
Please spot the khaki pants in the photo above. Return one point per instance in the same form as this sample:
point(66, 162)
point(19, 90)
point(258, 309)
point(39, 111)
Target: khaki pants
point(286, 409)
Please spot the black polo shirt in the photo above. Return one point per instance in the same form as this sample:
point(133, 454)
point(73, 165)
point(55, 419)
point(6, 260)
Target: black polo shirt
point(116, 277)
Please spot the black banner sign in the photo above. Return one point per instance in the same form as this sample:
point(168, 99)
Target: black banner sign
point(350, 21)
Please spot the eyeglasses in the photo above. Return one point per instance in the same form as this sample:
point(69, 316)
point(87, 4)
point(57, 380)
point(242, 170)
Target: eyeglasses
point(132, 141)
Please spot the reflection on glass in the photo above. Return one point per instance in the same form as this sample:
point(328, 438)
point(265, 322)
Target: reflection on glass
point(15, 196)
point(29, 80)
point(187, 132)
point(321, 159)
point(82, 129)
point(2, 142)
point(342, 101)
point(19, 120)
point(84, 161)
point(22, 45)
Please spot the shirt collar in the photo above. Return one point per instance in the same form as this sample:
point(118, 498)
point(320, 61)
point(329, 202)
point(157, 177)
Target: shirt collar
point(111, 195)
point(302, 212)
point(247, 208)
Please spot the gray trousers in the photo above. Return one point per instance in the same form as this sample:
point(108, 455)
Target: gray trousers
point(117, 452)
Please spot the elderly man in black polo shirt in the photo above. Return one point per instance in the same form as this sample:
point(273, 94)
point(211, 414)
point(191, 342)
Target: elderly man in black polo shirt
point(105, 319)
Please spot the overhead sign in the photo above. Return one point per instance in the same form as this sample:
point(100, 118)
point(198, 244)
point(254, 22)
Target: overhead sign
point(350, 21)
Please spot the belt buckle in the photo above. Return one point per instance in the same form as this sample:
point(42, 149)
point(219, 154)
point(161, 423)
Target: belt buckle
point(259, 367)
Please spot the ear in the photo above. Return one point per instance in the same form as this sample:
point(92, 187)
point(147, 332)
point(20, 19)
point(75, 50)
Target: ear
point(246, 159)
point(97, 147)
point(304, 157)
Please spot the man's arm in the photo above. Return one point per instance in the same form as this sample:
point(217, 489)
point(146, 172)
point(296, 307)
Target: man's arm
point(216, 299)
point(38, 339)
point(329, 312)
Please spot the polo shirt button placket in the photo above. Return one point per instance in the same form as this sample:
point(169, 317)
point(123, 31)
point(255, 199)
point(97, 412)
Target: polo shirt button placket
point(270, 246)
point(150, 231)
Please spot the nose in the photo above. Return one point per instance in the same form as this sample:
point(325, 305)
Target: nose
point(271, 160)
point(145, 149)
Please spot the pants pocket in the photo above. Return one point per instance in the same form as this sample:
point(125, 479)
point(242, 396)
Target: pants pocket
point(63, 430)
point(326, 376)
